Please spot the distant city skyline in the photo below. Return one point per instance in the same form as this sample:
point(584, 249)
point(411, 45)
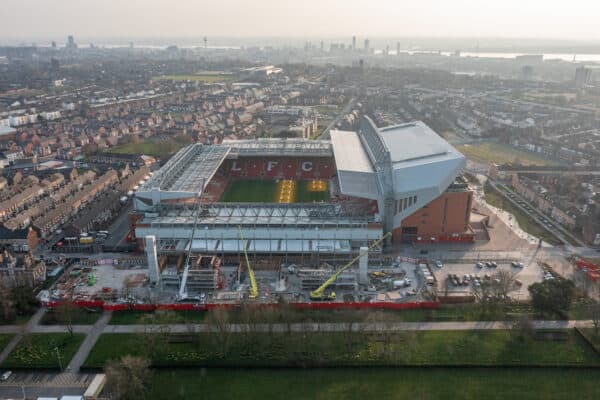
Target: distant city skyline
point(537, 19)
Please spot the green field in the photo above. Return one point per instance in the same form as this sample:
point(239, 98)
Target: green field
point(250, 191)
point(148, 148)
point(431, 348)
point(265, 191)
point(39, 350)
point(207, 78)
point(79, 316)
point(446, 312)
point(376, 383)
point(4, 339)
point(158, 317)
point(502, 154)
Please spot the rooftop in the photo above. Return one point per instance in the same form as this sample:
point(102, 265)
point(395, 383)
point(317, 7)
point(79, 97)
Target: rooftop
point(349, 152)
point(412, 141)
point(188, 171)
point(6, 130)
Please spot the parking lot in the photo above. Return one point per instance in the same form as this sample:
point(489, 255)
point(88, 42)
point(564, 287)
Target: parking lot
point(469, 273)
point(23, 384)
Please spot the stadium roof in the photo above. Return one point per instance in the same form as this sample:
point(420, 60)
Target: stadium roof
point(414, 141)
point(349, 153)
point(279, 147)
point(186, 173)
point(235, 214)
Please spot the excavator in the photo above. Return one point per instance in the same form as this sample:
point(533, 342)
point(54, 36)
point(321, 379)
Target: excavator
point(253, 286)
point(319, 293)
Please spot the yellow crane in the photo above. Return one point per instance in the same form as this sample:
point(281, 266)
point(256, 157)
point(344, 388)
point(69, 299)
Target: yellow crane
point(253, 286)
point(319, 293)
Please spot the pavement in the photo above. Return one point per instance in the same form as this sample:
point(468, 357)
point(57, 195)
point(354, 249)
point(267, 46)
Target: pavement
point(19, 331)
point(89, 342)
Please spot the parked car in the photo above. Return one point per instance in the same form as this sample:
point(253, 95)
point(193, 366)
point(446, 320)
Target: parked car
point(5, 376)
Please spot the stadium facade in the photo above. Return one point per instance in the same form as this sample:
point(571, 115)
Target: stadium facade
point(367, 183)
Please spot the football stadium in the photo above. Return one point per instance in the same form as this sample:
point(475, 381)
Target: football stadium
point(305, 207)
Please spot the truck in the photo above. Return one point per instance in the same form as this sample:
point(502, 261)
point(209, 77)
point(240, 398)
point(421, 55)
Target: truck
point(86, 240)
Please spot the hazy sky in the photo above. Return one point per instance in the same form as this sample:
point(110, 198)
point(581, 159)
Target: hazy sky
point(566, 19)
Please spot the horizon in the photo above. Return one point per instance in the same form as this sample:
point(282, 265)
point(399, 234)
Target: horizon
point(134, 19)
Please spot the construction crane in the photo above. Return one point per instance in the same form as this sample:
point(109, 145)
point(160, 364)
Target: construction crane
point(319, 293)
point(183, 295)
point(253, 286)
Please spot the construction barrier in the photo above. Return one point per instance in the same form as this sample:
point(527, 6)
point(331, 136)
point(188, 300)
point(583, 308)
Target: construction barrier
point(210, 306)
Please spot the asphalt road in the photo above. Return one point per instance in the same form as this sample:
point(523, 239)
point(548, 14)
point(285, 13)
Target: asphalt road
point(558, 231)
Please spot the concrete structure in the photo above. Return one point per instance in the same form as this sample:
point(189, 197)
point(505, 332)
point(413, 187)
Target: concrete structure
point(152, 257)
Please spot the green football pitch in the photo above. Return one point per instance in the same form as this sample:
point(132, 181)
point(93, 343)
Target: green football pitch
point(262, 191)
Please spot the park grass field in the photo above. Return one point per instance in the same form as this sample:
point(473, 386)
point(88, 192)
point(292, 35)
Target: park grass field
point(375, 383)
point(205, 77)
point(265, 191)
point(39, 350)
point(148, 148)
point(502, 154)
point(425, 348)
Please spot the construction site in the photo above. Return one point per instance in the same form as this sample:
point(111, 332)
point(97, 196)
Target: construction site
point(294, 220)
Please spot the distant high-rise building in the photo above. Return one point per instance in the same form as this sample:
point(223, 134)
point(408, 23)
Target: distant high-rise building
point(205, 41)
point(387, 50)
point(367, 44)
point(71, 45)
point(583, 76)
point(53, 44)
point(398, 48)
point(527, 72)
point(322, 46)
point(353, 42)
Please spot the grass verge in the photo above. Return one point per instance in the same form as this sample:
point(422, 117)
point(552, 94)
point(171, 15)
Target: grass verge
point(422, 348)
point(43, 350)
point(446, 312)
point(79, 316)
point(157, 317)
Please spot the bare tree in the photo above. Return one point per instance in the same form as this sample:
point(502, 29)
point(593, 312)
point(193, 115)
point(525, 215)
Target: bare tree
point(218, 320)
point(128, 378)
point(493, 293)
point(7, 304)
point(65, 313)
